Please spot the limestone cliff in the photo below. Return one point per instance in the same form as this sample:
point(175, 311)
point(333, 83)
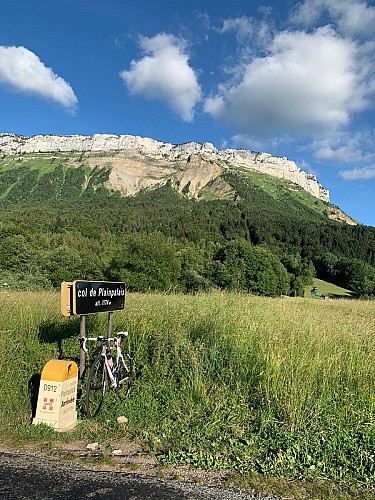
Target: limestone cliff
point(138, 162)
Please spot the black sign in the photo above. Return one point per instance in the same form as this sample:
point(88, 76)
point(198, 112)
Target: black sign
point(97, 296)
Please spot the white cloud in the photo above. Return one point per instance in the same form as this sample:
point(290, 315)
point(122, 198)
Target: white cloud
point(307, 84)
point(164, 74)
point(342, 154)
point(247, 28)
point(256, 144)
point(345, 147)
point(23, 71)
point(346, 151)
point(252, 34)
point(352, 17)
point(355, 174)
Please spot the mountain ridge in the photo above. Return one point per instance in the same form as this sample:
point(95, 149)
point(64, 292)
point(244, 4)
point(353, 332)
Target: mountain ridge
point(146, 151)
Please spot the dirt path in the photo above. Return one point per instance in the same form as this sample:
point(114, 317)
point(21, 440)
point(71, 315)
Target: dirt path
point(32, 476)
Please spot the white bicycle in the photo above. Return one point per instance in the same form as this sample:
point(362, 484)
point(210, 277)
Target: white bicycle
point(106, 371)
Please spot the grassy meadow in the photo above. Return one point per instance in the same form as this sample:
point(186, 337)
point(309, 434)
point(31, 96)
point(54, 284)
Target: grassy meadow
point(325, 288)
point(284, 388)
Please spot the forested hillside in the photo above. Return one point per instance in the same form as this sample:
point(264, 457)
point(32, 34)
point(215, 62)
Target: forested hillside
point(59, 223)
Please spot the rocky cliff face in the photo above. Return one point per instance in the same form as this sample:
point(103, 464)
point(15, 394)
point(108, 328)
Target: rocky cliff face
point(143, 162)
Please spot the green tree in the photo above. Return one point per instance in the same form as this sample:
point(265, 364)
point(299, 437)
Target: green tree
point(194, 261)
point(147, 262)
point(16, 253)
point(357, 276)
point(64, 264)
point(241, 266)
point(301, 273)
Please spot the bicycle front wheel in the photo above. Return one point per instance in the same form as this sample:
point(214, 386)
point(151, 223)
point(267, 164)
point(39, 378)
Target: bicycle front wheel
point(124, 377)
point(96, 386)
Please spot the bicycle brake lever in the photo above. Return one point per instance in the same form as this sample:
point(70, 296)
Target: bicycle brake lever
point(83, 344)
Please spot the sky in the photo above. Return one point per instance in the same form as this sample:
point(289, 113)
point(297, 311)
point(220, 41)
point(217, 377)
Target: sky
point(293, 79)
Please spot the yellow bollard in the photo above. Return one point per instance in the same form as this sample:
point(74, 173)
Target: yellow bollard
point(57, 396)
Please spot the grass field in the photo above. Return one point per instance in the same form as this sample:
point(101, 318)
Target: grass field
point(281, 388)
point(325, 288)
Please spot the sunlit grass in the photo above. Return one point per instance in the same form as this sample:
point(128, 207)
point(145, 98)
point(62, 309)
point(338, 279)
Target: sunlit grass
point(283, 387)
point(326, 288)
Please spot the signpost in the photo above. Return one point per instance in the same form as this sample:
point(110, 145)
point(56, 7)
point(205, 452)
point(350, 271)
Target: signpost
point(90, 297)
point(57, 396)
point(80, 298)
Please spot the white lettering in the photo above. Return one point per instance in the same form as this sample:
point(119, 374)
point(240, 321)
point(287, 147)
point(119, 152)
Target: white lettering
point(107, 292)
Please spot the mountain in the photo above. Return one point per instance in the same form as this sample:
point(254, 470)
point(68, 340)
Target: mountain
point(52, 166)
point(159, 216)
point(138, 162)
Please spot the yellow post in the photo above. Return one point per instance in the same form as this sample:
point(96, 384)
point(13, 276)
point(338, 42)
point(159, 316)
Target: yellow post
point(57, 396)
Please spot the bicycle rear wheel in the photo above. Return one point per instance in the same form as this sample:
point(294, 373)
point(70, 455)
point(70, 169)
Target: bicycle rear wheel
point(96, 385)
point(124, 377)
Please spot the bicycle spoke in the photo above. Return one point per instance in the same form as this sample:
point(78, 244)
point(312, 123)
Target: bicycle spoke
point(96, 386)
point(124, 377)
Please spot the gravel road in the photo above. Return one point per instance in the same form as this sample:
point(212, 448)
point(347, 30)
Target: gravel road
point(25, 477)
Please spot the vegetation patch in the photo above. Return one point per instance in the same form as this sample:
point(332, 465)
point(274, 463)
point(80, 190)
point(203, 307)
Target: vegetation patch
point(277, 388)
point(162, 241)
point(59, 213)
point(328, 290)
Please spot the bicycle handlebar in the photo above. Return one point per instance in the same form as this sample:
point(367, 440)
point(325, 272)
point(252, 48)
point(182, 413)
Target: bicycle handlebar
point(120, 336)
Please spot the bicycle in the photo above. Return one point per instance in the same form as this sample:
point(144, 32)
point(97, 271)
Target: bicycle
point(103, 369)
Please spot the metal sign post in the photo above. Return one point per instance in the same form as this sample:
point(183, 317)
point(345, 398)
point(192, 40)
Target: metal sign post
point(82, 354)
point(110, 314)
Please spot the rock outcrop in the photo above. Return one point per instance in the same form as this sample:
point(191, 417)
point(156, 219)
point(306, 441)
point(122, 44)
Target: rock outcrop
point(200, 164)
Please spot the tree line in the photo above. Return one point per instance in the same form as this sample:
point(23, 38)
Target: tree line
point(270, 241)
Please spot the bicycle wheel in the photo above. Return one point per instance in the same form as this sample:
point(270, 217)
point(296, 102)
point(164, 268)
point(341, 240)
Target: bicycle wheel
point(96, 385)
point(124, 377)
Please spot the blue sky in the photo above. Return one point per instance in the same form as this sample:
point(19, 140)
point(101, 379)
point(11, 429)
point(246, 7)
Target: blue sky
point(291, 79)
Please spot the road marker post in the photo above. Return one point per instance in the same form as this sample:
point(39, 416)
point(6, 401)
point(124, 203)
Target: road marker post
point(57, 396)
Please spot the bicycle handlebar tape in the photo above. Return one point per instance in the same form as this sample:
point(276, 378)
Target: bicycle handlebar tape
point(57, 398)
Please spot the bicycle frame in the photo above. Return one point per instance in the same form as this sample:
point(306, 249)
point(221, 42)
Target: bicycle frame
point(106, 353)
point(108, 361)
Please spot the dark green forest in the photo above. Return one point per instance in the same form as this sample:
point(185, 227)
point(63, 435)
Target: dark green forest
point(62, 223)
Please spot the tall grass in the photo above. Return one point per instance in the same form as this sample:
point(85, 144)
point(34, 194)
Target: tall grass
point(284, 387)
